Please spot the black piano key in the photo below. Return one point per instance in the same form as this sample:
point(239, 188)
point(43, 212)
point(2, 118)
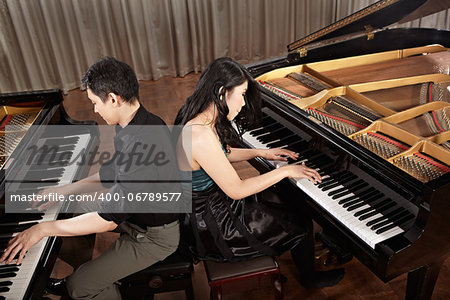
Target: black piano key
point(48, 158)
point(5, 283)
point(387, 222)
point(329, 169)
point(5, 240)
point(386, 207)
point(4, 289)
point(60, 152)
point(333, 177)
point(397, 223)
point(8, 275)
point(37, 185)
point(352, 207)
point(56, 163)
point(386, 216)
point(265, 121)
point(326, 170)
point(274, 135)
point(61, 141)
point(297, 146)
point(269, 138)
point(15, 217)
point(364, 193)
point(291, 161)
point(341, 181)
point(36, 175)
point(318, 161)
point(265, 129)
point(45, 167)
point(16, 228)
point(346, 187)
point(9, 270)
point(66, 148)
point(353, 189)
point(367, 199)
point(284, 141)
point(371, 211)
point(309, 155)
point(8, 266)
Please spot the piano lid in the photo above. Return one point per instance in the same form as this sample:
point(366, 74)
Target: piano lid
point(373, 17)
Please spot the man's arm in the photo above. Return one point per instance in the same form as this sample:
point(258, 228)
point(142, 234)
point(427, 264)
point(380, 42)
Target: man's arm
point(80, 225)
point(84, 186)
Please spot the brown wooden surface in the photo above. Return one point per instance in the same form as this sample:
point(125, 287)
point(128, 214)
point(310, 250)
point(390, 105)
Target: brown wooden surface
point(164, 97)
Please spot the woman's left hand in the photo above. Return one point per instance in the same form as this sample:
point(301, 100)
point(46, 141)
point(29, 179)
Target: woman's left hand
point(278, 154)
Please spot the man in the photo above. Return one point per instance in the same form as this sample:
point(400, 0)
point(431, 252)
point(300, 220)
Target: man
point(146, 237)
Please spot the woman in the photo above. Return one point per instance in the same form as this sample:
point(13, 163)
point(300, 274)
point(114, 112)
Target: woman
point(227, 223)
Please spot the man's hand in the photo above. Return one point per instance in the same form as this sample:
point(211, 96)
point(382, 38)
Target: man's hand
point(44, 193)
point(278, 154)
point(21, 243)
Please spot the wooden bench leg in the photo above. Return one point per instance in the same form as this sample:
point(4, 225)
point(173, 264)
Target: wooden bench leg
point(216, 293)
point(278, 285)
point(189, 291)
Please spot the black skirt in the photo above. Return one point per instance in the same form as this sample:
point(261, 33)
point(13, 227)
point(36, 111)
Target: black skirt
point(222, 229)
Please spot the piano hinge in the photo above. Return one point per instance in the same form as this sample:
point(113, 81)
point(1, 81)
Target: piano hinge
point(302, 51)
point(369, 32)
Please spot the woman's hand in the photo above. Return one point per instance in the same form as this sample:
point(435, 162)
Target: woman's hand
point(22, 242)
point(302, 171)
point(278, 154)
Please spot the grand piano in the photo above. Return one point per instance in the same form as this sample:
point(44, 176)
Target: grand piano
point(368, 107)
point(22, 116)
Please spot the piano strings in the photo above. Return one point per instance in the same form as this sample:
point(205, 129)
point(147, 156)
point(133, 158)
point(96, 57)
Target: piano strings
point(315, 89)
point(15, 122)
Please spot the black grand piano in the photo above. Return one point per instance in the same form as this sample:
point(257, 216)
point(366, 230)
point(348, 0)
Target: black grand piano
point(22, 115)
point(368, 107)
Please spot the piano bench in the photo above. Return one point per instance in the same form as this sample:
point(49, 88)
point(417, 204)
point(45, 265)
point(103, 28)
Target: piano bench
point(220, 273)
point(171, 274)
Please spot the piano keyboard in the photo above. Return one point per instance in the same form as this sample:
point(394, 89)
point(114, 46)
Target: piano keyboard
point(368, 208)
point(13, 285)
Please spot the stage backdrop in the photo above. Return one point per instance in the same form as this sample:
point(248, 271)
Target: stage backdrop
point(50, 43)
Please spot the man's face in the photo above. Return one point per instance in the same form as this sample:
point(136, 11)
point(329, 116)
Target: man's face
point(105, 109)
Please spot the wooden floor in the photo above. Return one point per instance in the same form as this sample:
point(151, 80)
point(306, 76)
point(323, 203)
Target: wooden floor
point(164, 97)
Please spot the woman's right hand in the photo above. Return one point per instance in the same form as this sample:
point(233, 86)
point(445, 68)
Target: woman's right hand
point(302, 171)
point(52, 193)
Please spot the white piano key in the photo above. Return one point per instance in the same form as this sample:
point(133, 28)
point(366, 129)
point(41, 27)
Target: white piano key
point(332, 206)
point(26, 270)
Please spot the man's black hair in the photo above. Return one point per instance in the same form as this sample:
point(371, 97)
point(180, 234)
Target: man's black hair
point(108, 75)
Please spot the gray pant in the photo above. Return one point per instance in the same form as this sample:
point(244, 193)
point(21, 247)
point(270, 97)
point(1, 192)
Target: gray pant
point(136, 249)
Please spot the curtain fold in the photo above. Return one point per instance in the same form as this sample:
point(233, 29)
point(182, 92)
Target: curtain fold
point(50, 43)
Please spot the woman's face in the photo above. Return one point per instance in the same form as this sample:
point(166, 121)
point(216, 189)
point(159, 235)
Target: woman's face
point(236, 99)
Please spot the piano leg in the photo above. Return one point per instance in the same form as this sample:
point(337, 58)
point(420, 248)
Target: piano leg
point(420, 282)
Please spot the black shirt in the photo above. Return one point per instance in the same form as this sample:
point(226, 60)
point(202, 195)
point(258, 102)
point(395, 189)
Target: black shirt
point(122, 179)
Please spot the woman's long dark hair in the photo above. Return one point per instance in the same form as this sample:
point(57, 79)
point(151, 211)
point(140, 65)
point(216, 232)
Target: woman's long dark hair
point(221, 75)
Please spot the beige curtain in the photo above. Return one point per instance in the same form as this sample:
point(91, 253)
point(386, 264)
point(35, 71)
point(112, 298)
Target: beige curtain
point(50, 43)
